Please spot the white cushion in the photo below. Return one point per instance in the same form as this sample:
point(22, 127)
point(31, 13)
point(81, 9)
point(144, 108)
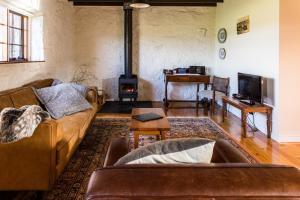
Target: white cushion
point(176, 151)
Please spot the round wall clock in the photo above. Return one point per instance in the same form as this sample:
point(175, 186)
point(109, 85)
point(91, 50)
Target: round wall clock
point(222, 53)
point(222, 35)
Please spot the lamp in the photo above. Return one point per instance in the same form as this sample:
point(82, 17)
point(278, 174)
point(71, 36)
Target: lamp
point(139, 4)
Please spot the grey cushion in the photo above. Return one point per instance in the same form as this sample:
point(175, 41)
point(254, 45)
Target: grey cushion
point(80, 88)
point(63, 99)
point(56, 82)
point(178, 151)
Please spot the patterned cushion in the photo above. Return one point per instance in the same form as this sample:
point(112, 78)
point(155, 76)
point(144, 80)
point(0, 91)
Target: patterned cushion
point(80, 88)
point(172, 151)
point(62, 99)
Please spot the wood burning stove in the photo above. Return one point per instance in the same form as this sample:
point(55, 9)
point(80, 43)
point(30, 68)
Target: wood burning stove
point(128, 88)
point(128, 83)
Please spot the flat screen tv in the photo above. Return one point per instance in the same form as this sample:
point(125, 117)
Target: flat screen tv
point(250, 87)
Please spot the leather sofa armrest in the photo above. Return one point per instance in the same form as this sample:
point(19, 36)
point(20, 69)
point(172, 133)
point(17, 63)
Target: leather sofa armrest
point(92, 95)
point(30, 163)
point(118, 148)
point(224, 152)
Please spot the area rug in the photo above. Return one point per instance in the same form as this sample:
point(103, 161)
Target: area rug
point(124, 107)
point(90, 155)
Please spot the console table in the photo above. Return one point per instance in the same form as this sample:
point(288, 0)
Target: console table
point(185, 78)
point(245, 110)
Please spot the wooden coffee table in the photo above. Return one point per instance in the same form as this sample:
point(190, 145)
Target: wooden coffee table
point(156, 127)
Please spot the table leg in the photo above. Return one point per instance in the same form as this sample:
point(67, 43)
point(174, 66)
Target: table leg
point(136, 139)
point(166, 95)
point(162, 135)
point(197, 101)
point(269, 123)
point(244, 124)
point(224, 111)
point(206, 108)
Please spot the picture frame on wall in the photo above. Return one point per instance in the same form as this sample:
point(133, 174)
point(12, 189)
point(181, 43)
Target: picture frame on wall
point(243, 25)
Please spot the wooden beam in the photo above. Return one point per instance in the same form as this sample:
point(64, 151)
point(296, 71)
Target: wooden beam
point(151, 2)
point(98, 2)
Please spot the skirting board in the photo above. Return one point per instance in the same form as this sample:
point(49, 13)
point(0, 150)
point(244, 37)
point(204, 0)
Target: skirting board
point(288, 139)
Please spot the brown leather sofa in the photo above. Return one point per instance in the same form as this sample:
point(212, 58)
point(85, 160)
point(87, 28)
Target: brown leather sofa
point(35, 163)
point(230, 177)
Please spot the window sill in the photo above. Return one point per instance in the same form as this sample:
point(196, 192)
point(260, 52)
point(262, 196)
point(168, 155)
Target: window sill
point(19, 62)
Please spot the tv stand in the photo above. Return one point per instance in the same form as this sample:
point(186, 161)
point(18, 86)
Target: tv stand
point(245, 110)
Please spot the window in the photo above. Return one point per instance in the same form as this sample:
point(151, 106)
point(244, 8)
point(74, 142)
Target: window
point(13, 36)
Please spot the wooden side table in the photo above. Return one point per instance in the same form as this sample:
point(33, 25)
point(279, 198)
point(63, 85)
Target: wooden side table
point(245, 110)
point(156, 127)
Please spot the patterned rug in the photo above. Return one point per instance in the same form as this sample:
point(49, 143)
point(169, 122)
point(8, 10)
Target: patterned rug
point(90, 155)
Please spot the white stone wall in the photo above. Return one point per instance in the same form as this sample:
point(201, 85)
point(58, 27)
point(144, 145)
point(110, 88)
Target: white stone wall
point(99, 44)
point(164, 37)
point(59, 49)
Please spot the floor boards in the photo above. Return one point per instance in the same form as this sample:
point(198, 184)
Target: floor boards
point(263, 149)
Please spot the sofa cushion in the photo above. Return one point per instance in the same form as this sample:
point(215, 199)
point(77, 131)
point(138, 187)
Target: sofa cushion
point(62, 100)
point(65, 150)
point(5, 102)
point(191, 150)
point(82, 119)
point(65, 130)
point(24, 96)
point(67, 136)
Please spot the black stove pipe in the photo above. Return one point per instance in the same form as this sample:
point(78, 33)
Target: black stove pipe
point(128, 41)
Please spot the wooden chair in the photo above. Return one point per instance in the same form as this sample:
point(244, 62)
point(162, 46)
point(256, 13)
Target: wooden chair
point(219, 88)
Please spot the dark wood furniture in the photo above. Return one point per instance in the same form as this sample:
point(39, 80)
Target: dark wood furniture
point(205, 3)
point(218, 85)
point(186, 78)
point(245, 110)
point(155, 127)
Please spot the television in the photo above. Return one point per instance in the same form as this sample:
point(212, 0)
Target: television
point(250, 88)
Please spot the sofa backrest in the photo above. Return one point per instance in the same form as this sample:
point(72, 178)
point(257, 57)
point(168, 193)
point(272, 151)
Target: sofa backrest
point(222, 181)
point(39, 83)
point(22, 96)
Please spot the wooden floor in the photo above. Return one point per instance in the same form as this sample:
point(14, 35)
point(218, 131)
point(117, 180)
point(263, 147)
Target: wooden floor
point(263, 149)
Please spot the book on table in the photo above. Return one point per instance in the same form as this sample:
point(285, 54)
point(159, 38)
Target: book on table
point(147, 117)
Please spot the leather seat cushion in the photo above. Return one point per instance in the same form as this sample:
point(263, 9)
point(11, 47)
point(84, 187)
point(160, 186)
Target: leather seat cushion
point(67, 137)
point(82, 120)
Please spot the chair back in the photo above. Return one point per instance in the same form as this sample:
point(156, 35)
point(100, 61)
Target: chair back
point(221, 84)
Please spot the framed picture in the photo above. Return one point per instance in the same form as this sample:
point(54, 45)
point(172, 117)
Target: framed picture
point(243, 25)
point(222, 35)
point(222, 53)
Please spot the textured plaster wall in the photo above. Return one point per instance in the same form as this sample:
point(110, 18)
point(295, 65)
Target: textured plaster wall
point(99, 44)
point(256, 52)
point(163, 38)
point(58, 43)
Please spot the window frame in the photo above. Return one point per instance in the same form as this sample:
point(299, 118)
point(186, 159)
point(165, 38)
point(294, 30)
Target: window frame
point(24, 38)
